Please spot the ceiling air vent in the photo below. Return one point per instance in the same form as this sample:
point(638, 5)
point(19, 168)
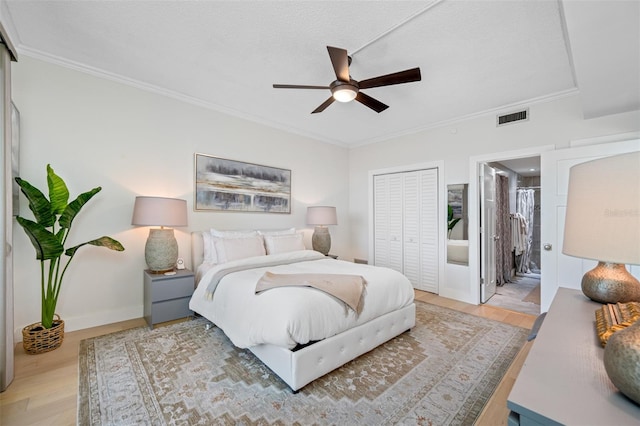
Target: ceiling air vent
point(503, 120)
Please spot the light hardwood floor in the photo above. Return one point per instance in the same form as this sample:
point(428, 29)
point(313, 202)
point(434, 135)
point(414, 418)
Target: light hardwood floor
point(44, 390)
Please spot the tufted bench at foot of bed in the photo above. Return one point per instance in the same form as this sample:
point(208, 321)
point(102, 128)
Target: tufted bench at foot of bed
point(301, 367)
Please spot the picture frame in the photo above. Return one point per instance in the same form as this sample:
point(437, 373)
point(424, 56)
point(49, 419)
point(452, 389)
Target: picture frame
point(225, 185)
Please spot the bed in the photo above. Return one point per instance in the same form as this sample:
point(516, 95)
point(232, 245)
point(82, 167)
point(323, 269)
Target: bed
point(301, 333)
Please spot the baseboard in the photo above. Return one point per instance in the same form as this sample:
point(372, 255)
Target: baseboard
point(93, 320)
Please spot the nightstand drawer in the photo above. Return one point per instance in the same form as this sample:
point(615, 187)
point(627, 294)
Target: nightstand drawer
point(170, 310)
point(172, 288)
point(166, 297)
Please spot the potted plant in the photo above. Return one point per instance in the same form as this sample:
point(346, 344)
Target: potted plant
point(48, 234)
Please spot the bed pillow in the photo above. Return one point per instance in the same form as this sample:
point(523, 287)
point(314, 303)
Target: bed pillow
point(229, 249)
point(289, 231)
point(209, 253)
point(283, 243)
point(232, 234)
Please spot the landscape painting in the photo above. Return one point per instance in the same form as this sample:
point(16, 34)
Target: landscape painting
point(236, 186)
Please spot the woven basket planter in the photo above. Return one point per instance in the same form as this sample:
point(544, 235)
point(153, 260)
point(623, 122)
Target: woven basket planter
point(37, 340)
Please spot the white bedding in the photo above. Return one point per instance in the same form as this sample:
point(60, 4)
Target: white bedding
point(289, 316)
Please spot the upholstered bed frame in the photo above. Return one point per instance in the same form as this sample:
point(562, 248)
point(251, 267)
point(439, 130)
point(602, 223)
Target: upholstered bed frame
point(298, 368)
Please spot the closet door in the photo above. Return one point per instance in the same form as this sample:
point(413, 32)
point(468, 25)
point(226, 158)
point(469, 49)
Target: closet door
point(429, 211)
point(388, 221)
point(411, 224)
point(406, 231)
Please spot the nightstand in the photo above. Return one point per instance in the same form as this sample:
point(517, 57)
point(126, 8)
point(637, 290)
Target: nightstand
point(166, 297)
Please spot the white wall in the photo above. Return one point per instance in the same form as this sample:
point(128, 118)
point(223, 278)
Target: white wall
point(96, 132)
point(132, 142)
point(552, 123)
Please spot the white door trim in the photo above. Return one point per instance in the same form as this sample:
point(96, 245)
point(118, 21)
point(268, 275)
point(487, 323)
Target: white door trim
point(474, 213)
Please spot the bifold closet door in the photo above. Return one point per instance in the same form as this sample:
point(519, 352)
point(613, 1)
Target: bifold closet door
point(406, 225)
point(429, 211)
point(411, 227)
point(388, 221)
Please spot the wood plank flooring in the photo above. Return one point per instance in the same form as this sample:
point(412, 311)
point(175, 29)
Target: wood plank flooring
point(44, 390)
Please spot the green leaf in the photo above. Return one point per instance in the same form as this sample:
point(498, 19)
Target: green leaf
point(74, 207)
point(45, 243)
point(58, 192)
point(38, 203)
point(107, 242)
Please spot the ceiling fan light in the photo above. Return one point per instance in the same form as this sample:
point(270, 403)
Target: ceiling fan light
point(344, 93)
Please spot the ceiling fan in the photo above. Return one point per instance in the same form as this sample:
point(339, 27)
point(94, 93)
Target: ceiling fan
point(346, 89)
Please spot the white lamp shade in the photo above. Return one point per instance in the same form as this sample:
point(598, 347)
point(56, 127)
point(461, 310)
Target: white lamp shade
point(159, 211)
point(603, 210)
point(321, 215)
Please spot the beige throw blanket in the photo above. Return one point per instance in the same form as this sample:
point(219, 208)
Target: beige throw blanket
point(347, 288)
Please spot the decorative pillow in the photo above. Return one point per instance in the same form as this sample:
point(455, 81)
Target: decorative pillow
point(210, 254)
point(232, 234)
point(283, 243)
point(229, 249)
point(289, 231)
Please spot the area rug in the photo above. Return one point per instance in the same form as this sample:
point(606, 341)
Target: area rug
point(442, 372)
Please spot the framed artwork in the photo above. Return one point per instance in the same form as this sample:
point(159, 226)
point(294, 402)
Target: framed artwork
point(236, 186)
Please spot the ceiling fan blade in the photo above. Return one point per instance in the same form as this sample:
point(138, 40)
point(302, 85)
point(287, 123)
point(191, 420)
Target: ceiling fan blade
point(372, 103)
point(340, 62)
point(400, 77)
point(324, 105)
point(298, 86)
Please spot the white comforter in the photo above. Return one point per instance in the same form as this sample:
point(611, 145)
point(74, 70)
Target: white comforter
point(292, 315)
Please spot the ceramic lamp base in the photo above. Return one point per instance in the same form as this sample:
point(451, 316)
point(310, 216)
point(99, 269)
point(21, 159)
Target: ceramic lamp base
point(321, 240)
point(161, 250)
point(610, 283)
point(622, 361)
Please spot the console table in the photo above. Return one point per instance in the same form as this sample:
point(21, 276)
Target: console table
point(563, 380)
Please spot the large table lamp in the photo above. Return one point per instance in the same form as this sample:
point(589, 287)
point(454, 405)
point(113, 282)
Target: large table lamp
point(321, 216)
point(603, 223)
point(161, 249)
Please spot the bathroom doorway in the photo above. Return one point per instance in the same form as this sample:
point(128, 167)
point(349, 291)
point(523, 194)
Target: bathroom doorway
point(516, 234)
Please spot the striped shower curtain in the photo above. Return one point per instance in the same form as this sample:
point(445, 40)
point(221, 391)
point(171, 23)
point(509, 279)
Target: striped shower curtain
point(525, 204)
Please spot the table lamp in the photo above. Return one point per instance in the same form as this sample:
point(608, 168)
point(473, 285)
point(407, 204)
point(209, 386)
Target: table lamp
point(161, 249)
point(321, 216)
point(603, 223)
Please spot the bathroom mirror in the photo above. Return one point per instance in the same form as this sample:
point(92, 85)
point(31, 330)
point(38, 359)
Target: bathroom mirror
point(457, 224)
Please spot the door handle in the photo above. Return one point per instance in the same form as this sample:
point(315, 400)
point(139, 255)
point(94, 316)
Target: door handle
point(547, 247)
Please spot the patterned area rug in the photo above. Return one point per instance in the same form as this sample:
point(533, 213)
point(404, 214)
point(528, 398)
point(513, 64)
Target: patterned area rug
point(442, 372)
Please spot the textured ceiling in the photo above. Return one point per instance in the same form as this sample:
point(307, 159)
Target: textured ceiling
point(475, 56)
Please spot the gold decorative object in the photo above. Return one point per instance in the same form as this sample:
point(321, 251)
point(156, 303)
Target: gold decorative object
point(614, 317)
point(622, 361)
